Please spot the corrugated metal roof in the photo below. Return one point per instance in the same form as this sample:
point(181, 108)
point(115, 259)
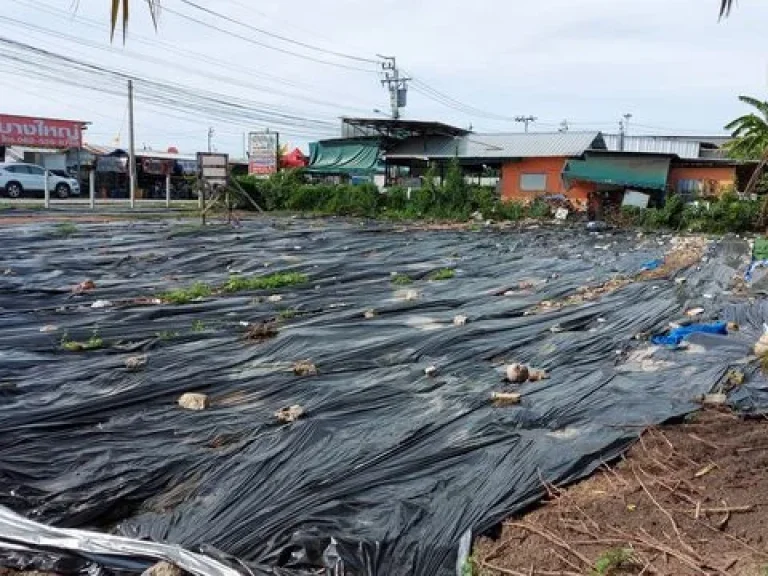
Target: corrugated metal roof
point(516, 145)
point(682, 147)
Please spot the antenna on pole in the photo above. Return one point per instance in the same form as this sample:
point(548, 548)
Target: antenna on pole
point(396, 84)
point(525, 120)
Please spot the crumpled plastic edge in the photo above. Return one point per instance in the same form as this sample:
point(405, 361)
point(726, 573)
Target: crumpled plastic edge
point(465, 549)
point(17, 529)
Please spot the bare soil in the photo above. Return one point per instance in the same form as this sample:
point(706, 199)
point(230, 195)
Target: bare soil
point(686, 499)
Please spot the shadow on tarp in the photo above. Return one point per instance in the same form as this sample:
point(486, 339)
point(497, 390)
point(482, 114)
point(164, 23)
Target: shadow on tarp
point(390, 467)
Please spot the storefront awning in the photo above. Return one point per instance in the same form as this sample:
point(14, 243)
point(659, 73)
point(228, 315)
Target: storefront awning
point(344, 157)
point(619, 170)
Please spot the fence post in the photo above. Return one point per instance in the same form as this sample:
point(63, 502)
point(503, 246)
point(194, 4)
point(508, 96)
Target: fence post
point(167, 190)
point(47, 190)
point(92, 188)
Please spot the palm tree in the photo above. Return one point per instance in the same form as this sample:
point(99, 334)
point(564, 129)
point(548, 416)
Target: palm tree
point(121, 6)
point(749, 133)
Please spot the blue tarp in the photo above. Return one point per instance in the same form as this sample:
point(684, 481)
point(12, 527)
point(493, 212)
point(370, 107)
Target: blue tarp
point(676, 336)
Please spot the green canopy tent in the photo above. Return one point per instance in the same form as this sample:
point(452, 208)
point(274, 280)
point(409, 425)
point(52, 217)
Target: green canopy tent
point(354, 157)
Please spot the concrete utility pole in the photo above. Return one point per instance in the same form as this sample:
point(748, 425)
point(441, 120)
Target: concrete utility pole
point(396, 84)
point(627, 118)
point(211, 132)
point(132, 148)
point(525, 120)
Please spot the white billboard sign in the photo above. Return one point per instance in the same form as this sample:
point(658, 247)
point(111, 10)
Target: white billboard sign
point(263, 152)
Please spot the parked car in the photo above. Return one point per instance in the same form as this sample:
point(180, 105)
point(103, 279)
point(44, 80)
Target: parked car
point(18, 177)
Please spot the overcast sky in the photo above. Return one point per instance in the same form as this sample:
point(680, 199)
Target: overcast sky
point(669, 63)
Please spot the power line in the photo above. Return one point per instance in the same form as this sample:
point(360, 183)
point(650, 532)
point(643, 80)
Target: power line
point(277, 36)
point(264, 44)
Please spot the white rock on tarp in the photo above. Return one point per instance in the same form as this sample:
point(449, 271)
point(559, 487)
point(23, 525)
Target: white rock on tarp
point(460, 320)
point(290, 413)
point(275, 298)
point(370, 313)
point(48, 328)
point(193, 401)
point(134, 363)
point(517, 373)
point(430, 371)
point(102, 304)
point(693, 312)
point(162, 569)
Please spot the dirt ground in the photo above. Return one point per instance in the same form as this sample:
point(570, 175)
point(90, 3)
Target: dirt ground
point(686, 499)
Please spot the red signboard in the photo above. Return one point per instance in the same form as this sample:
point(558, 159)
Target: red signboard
point(42, 132)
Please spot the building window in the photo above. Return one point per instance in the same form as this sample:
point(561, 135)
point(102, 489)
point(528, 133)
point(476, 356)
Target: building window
point(533, 182)
point(690, 189)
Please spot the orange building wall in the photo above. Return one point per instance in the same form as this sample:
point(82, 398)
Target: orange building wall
point(578, 194)
point(720, 177)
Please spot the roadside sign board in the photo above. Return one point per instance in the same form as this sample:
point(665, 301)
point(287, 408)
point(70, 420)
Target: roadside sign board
point(263, 152)
point(40, 132)
point(214, 168)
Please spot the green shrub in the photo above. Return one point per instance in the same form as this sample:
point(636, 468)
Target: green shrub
point(484, 200)
point(188, 294)
point(539, 209)
point(396, 199)
point(401, 280)
point(442, 274)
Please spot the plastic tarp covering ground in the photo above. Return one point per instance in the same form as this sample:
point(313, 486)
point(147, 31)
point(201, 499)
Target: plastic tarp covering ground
point(389, 468)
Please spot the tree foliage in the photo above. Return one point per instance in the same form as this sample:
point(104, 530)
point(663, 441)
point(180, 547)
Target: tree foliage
point(749, 132)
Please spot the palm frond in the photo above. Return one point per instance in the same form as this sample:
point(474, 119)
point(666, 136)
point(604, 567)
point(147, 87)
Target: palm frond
point(725, 7)
point(120, 7)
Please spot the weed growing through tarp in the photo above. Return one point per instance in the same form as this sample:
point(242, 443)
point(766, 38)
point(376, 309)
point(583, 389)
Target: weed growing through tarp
point(442, 274)
point(188, 294)
point(270, 282)
point(66, 229)
point(95, 342)
point(401, 280)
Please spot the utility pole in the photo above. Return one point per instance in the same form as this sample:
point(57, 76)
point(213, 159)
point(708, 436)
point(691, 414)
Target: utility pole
point(525, 120)
point(396, 84)
point(627, 118)
point(211, 132)
point(132, 148)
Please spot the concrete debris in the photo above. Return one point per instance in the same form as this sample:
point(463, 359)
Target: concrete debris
point(102, 304)
point(304, 368)
point(517, 373)
point(261, 332)
point(505, 398)
point(163, 569)
point(460, 320)
point(714, 400)
point(290, 414)
point(136, 363)
point(370, 313)
point(85, 286)
point(761, 346)
point(193, 401)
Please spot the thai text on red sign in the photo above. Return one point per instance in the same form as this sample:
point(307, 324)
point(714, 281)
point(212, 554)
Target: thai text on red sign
point(44, 132)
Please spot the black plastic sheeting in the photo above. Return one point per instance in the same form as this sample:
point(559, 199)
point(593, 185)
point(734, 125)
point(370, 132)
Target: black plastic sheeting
point(390, 467)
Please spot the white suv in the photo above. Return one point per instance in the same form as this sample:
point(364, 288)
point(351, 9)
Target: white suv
point(17, 177)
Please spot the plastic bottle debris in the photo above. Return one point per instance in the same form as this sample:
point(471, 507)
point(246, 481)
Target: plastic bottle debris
point(460, 320)
point(517, 373)
point(290, 413)
point(304, 368)
point(102, 304)
point(193, 401)
point(136, 363)
point(162, 569)
point(505, 398)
